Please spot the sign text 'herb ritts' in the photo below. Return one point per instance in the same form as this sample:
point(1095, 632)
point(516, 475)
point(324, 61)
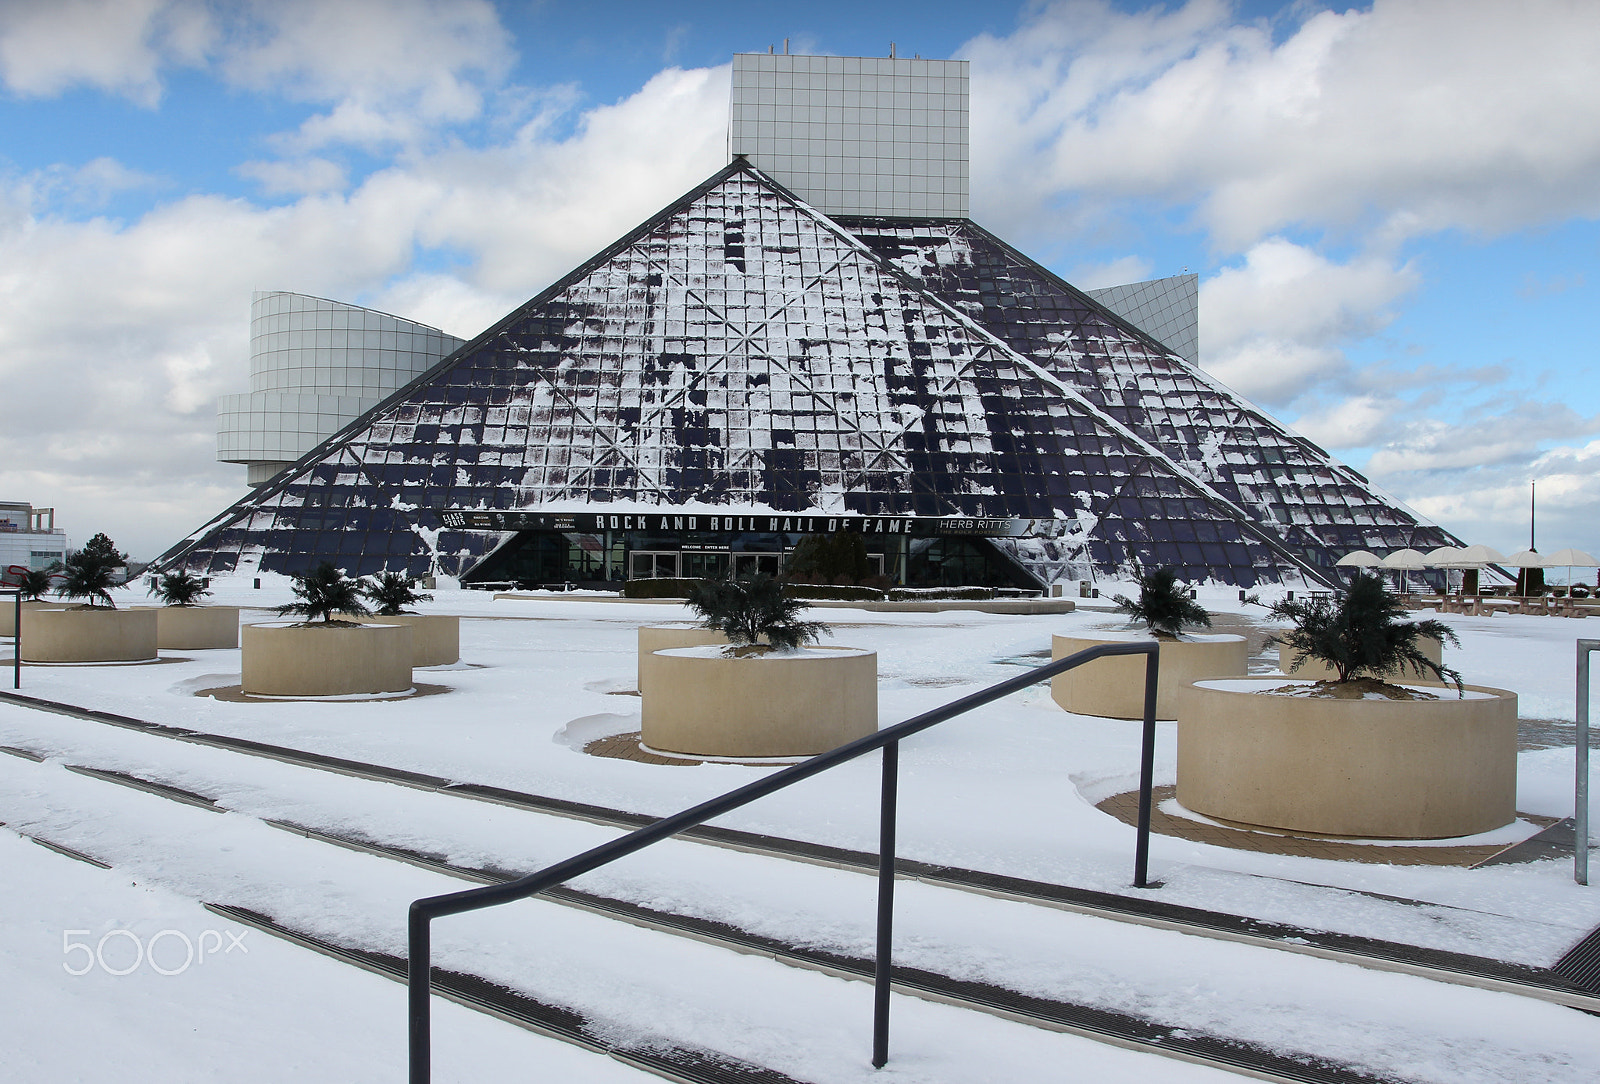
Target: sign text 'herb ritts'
point(926, 526)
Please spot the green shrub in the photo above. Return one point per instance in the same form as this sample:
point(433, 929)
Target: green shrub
point(179, 588)
point(1163, 605)
point(749, 611)
point(936, 594)
point(323, 592)
point(832, 592)
point(1361, 635)
point(392, 592)
point(36, 581)
point(87, 575)
point(664, 587)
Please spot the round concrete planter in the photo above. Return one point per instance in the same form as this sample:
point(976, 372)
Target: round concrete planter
point(1375, 769)
point(284, 659)
point(435, 638)
point(653, 638)
point(88, 635)
point(697, 701)
point(1313, 670)
point(197, 628)
point(8, 613)
point(1114, 687)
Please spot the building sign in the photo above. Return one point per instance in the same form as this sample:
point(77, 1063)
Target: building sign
point(916, 526)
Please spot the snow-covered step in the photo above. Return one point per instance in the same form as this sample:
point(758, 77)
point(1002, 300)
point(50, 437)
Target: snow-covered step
point(1197, 984)
point(636, 988)
point(378, 818)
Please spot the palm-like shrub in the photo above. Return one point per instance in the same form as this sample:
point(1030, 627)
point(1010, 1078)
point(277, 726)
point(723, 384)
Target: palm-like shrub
point(87, 575)
point(323, 592)
point(179, 588)
point(1162, 604)
point(747, 610)
point(36, 581)
point(391, 592)
point(1362, 634)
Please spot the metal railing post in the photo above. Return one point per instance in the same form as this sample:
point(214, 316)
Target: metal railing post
point(1147, 768)
point(419, 991)
point(16, 640)
point(1580, 789)
point(882, 980)
point(423, 911)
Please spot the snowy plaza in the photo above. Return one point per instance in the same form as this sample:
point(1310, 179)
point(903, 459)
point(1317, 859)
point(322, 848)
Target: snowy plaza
point(1011, 789)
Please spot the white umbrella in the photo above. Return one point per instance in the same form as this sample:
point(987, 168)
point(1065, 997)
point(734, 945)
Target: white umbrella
point(1443, 556)
point(1570, 559)
point(1471, 558)
point(1478, 556)
point(1525, 559)
point(1359, 559)
point(1407, 560)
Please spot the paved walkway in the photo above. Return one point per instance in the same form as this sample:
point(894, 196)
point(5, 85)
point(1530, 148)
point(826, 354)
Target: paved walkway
point(1125, 807)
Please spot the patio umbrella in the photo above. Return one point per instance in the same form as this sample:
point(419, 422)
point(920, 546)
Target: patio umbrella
point(1525, 559)
point(1442, 558)
point(1359, 559)
point(1471, 559)
point(1570, 559)
point(1407, 560)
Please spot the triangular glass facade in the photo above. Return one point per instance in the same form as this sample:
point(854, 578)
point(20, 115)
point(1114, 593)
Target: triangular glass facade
point(742, 353)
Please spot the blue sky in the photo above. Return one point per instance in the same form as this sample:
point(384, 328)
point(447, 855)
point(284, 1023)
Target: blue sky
point(1393, 207)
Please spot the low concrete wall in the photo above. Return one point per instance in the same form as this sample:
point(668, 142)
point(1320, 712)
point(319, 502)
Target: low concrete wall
point(435, 638)
point(8, 613)
point(1379, 769)
point(304, 660)
point(769, 707)
point(90, 635)
point(1114, 687)
point(653, 638)
point(1312, 670)
point(197, 628)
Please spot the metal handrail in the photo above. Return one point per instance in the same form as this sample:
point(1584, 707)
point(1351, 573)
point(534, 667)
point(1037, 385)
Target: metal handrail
point(424, 911)
point(16, 635)
point(1580, 786)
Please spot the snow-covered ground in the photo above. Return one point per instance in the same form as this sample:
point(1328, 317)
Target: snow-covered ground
point(1009, 788)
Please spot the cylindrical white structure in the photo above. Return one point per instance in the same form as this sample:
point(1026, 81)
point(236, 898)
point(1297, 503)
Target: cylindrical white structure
point(315, 366)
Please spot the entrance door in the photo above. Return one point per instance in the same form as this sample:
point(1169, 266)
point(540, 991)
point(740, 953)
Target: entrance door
point(752, 564)
point(652, 564)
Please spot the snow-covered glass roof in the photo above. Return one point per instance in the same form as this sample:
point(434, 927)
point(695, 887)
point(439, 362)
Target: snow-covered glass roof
point(741, 351)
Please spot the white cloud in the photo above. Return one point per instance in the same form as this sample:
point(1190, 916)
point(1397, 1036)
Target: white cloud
point(1414, 116)
point(1272, 328)
point(1118, 272)
point(392, 70)
point(308, 175)
point(119, 46)
point(115, 337)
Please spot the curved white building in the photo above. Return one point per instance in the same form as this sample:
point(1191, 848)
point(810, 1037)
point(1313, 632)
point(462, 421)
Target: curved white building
point(315, 366)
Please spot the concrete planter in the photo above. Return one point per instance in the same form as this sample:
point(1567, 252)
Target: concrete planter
point(653, 638)
point(698, 702)
point(435, 638)
point(284, 659)
point(1114, 687)
point(197, 628)
point(53, 634)
point(1312, 670)
point(8, 613)
point(1374, 769)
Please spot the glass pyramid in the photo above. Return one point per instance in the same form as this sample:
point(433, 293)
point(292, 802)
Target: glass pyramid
point(741, 352)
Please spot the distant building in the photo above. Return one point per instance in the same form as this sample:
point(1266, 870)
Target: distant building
point(29, 537)
point(316, 366)
point(817, 339)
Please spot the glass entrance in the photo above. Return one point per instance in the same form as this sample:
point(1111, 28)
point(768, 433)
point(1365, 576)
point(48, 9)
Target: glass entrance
point(753, 564)
point(652, 564)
